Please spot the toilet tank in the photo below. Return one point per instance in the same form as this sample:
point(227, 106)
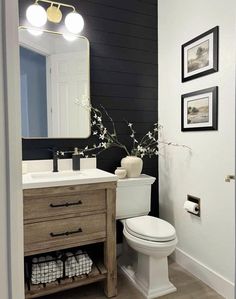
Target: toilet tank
point(133, 196)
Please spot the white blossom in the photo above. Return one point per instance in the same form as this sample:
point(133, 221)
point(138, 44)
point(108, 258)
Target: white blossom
point(140, 148)
point(148, 144)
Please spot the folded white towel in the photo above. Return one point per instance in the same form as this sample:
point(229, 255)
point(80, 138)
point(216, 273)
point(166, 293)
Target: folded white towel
point(45, 270)
point(59, 269)
point(35, 271)
point(82, 264)
point(70, 266)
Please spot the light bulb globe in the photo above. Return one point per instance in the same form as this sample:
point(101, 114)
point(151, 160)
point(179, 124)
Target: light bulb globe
point(36, 15)
point(74, 22)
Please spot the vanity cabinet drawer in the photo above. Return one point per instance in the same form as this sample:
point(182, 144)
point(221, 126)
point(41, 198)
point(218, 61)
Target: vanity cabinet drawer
point(38, 207)
point(64, 233)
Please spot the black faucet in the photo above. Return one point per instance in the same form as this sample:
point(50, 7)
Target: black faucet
point(56, 155)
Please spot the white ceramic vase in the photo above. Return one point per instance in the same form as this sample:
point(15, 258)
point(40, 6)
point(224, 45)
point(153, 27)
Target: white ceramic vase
point(120, 172)
point(133, 166)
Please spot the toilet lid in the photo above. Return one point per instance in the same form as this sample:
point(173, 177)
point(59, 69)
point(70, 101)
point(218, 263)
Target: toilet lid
point(150, 228)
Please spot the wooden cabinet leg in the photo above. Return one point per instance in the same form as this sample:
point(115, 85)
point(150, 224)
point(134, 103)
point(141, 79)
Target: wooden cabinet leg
point(110, 246)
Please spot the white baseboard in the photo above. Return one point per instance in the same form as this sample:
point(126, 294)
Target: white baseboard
point(217, 282)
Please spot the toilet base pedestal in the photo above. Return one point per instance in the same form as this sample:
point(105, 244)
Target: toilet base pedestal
point(148, 274)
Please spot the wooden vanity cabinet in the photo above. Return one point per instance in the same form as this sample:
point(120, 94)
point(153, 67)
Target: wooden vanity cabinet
point(62, 217)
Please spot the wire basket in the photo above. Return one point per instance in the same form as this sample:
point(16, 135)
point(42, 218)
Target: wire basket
point(59, 265)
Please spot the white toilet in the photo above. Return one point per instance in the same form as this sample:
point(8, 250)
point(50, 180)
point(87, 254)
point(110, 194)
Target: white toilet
point(148, 240)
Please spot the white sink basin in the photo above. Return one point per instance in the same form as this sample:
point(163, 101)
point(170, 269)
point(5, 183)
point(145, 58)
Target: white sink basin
point(66, 177)
point(54, 175)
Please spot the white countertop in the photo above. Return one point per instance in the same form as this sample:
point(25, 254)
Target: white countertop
point(67, 177)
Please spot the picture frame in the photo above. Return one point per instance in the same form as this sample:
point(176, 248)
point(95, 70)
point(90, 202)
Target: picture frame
point(199, 110)
point(200, 56)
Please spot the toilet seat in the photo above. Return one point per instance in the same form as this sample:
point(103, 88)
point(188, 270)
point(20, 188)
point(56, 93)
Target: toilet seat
point(150, 228)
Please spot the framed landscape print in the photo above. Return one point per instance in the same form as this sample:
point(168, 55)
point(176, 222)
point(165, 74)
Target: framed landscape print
point(199, 110)
point(200, 55)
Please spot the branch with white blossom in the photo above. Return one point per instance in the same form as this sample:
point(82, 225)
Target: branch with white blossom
point(147, 146)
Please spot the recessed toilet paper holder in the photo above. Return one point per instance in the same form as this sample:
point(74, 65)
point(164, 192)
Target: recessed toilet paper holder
point(197, 201)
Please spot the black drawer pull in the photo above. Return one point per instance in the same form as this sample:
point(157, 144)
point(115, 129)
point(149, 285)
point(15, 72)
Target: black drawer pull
point(67, 204)
point(66, 233)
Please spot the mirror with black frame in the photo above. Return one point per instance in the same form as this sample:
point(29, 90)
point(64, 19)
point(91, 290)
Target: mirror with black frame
point(55, 85)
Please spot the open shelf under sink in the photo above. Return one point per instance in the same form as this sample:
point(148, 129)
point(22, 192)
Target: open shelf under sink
point(98, 273)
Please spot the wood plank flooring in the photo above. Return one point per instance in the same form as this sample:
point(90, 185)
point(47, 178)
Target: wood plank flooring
point(188, 287)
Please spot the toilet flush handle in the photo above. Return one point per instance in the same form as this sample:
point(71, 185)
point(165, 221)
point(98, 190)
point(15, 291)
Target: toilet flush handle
point(228, 178)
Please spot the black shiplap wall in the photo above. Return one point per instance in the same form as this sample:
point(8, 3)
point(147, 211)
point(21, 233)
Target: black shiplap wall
point(123, 41)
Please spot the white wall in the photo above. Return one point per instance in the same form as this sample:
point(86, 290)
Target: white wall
point(206, 245)
point(4, 285)
point(11, 203)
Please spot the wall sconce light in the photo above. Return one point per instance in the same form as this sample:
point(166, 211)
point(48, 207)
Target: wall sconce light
point(38, 16)
point(54, 14)
point(74, 22)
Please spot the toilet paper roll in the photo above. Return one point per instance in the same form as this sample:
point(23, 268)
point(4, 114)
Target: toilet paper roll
point(192, 207)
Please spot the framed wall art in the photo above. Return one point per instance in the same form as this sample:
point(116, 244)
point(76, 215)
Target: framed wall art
point(199, 110)
point(200, 55)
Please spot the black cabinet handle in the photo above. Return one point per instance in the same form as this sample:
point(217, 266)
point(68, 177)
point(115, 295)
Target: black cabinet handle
point(66, 233)
point(67, 204)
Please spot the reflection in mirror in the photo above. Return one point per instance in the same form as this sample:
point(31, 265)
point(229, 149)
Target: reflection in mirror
point(55, 85)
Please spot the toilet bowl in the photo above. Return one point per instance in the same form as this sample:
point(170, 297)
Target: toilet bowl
point(154, 240)
point(147, 242)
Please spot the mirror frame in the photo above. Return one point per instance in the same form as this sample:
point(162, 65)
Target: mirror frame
point(89, 95)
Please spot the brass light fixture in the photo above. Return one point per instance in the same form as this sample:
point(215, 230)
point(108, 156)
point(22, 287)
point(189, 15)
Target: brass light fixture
point(38, 16)
point(54, 14)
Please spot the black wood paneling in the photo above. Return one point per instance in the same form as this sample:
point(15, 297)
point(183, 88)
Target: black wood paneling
point(123, 41)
